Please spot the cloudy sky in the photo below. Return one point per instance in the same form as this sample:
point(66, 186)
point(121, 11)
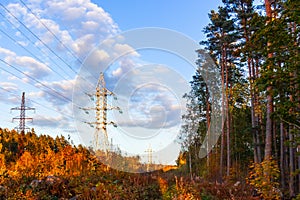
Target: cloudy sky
point(44, 45)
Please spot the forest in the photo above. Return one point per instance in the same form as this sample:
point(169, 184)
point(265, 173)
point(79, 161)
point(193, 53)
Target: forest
point(256, 49)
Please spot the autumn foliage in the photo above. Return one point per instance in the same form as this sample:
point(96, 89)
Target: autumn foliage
point(40, 167)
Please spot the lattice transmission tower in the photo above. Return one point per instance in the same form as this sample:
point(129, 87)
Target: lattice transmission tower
point(150, 164)
point(22, 118)
point(101, 108)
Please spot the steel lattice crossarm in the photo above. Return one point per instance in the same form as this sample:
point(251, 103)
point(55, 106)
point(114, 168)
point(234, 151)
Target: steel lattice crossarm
point(108, 108)
point(92, 124)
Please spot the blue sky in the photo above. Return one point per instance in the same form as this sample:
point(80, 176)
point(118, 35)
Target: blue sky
point(188, 17)
point(42, 41)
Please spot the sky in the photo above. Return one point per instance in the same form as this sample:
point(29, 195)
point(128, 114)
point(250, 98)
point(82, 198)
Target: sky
point(44, 45)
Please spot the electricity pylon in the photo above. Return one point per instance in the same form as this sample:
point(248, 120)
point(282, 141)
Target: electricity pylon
point(22, 118)
point(101, 108)
point(149, 151)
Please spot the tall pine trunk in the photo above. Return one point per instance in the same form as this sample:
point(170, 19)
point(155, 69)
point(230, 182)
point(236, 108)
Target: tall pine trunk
point(282, 139)
point(227, 121)
point(208, 127)
point(258, 115)
point(268, 142)
point(223, 113)
point(291, 149)
point(291, 164)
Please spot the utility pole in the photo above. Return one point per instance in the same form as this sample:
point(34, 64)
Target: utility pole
point(101, 107)
point(22, 118)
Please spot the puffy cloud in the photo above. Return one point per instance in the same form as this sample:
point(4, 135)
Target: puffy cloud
point(9, 86)
point(35, 95)
point(11, 96)
point(117, 72)
point(87, 22)
point(35, 68)
point(72, 13)
point(58, 121)
point(113, 57)
point(59, 93)
point(17, 10)
point(90, 25)
point(7, 52)
point(149, 95)
point(120, 49)
point(79, 25)
point(125, 65)
point(151, 106)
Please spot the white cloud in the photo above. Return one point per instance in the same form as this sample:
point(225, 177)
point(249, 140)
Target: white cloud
point(35, 68)
point(23, 43)
point(16, 9)
point(73, 12)
point(80, 24)
point(35, 95)
point(60, 93)
point(6, 52)
point(125, 65)
point(90, 25)
point(120, 49)
point(150, 106)
point(55, 122)
point(118, 72)
point(150, 95)
point(9, 86)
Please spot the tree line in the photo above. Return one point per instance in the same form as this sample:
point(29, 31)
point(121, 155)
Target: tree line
point(256, 49)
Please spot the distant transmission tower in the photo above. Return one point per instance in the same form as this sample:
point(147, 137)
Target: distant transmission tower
point(150, 156)
point(101, 108)
point(22, 119)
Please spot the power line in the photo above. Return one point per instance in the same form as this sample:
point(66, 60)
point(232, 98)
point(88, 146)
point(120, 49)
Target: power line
point(43, 44)
point(37, 103)
point(69, 50)
point(31, 42)
point(32, 78)
point(11, 38)
point(68, 100)
point(38, 39)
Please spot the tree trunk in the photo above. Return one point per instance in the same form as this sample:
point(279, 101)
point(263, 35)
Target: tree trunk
point(223, 111)
point(291, 150)
point(208, 126)
point(268, 142)
point(190, 163)
point(282, 174)
point(275, 141)
point(252, 100)
point(291, 164)
point(257, 116)
point(227, 122)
